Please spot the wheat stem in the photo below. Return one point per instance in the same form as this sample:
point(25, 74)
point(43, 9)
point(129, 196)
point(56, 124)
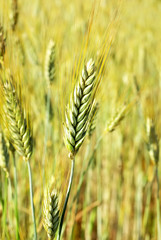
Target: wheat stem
point(84, 174)
point(16, 202)
point(31, 199)
point(80, 184)
point(66, 198)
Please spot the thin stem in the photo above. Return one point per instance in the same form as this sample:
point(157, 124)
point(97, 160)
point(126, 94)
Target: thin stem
point(16, 202)
point(79, 183)
point(85, 172)
point(66, 198)
point(31, 199)
point(46, 133)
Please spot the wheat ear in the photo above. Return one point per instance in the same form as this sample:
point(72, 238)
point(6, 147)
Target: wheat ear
point(49, 73)
point(117, 118)
point(50, 62)
point(51, 213)
point(18, 126)
point(77, 113)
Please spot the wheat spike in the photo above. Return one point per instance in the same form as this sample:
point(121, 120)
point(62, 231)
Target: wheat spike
point(92, 119)
point(4, 155)
point(77, 113)
point(51, 213)
point(50, 62)
point(13, 118)
point(153, 142)
point(117, 118)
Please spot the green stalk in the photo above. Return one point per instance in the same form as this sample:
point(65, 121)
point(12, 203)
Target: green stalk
point(83, 175)
point(66, 198)
point(80, 184)
point(31, 199)
point(16, 202)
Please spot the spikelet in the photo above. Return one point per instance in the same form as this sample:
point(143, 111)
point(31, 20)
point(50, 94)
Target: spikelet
point(77, 113)
point(2, 43)
point(51, 215)
point(13, 118)
point(4, 155)
point(50, 63)
point(14, 14)
point(92, 119)
point(117, 118)
point(153, 143)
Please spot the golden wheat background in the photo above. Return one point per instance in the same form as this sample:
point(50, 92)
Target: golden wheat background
point(119, 193)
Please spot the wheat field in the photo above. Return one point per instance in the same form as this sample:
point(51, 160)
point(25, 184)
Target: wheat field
point(80, 119)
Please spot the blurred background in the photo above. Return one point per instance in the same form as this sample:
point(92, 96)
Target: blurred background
point(119, 196)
